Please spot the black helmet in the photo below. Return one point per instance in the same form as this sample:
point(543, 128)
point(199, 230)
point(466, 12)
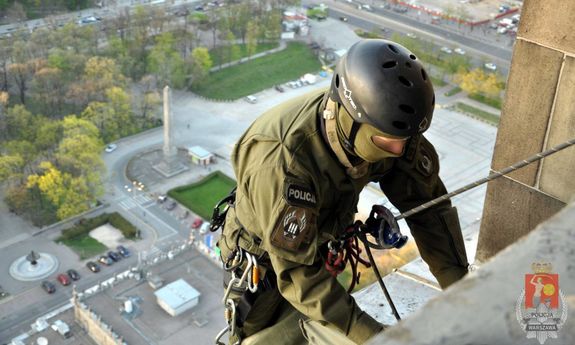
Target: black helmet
point(383, 84)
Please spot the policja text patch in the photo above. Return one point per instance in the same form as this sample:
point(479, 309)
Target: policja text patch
point(298, 195)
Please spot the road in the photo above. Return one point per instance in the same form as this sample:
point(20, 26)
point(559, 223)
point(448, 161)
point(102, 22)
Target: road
point(380, 18)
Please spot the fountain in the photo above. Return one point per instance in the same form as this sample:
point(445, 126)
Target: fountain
point(34, 266)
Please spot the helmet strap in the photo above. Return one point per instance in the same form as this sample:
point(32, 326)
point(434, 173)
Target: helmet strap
point(354, 172)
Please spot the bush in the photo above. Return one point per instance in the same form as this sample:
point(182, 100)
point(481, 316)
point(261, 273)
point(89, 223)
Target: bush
point(85, 225)
point(120, 223)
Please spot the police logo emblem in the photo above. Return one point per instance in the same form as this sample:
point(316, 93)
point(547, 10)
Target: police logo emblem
point(293, 228)
point(541, 309)
point(294, 222)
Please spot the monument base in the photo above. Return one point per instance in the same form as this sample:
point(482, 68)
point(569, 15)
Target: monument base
point(170, 167)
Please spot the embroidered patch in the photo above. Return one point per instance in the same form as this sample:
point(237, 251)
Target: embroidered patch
point(298, 195)
point(425, 164)
point(293, 228)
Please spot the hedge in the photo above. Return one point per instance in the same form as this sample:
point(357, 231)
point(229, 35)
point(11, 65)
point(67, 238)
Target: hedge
point(86, 225)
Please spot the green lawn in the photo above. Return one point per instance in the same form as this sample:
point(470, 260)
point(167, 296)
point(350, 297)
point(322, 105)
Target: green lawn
point(260, 73)
point(437, 82)
point(85, 246)
point(201, 197)
point(491, 118)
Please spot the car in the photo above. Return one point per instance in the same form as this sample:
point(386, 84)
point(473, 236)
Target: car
point(410, 35)
point(73, 274)
point(400, 9)
point(197, 223)
point(114, 256)
point(92, 266)
point(502, 30)
point(162, 198)
point(459, 51)
point(279, 88)
point(104, 259)
point(49, 287)
point(446, 50)
point(251, 99)
point(172, 205)
point(111, 148)
point(63, 279)
point(182, 12)
point(491, 66)
point(123, 251)
point(343, 19)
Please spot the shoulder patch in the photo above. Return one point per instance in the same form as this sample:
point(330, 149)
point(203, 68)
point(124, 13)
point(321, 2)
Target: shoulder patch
point(294, 227)
point(299, 195)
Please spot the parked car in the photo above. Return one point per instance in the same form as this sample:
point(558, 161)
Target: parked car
point(162, 198)
point(197, 223)
point(279, 88)
point(446, 50)
point(111, 148)
point(123, 251)
point(251, 99)
point(92, 266)
point(73, 274)
point(114, 256)
point(410, 35)
point(49, 287)
point(459, 51)
point(104, 259)
point(172, 205)
point(343, 19)
point(491, 66)
point(63, 279)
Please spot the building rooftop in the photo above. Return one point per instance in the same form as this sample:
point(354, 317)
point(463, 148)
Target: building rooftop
point(177, 293)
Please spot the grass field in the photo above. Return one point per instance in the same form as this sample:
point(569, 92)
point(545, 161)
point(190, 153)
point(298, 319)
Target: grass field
point(201, 197)
point(260, 73)
point(85, 246)
point(491, 118)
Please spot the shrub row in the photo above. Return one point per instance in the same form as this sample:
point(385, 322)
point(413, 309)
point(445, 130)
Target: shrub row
point(85, 225)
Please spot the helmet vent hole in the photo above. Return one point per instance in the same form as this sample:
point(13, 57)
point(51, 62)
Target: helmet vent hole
point(400, 125)
point(404, 81)
point(390, 64)
point(412, 57)
point(407, 108)
point(423, 74)
point(408, 65)
point(393, 48)
point(337, 81)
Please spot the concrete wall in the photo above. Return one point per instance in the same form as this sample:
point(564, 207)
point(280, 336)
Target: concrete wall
point(538, 113)
point(100, 332)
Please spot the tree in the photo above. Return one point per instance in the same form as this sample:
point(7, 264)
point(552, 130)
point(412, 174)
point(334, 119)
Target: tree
point(100, 74)
point(165, 62)
point(10, 167)
point(49, 88)
point(477, 81)
point(201, 64)
point(19, 124)
point(252, 38)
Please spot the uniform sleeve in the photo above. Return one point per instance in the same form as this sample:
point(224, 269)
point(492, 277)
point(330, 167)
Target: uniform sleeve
point(301, 277)
point(413, 181)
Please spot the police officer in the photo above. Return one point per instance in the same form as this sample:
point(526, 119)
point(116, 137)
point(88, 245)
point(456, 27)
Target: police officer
point(300, 168)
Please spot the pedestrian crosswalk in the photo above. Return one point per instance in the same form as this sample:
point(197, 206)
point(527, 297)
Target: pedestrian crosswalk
point(138, 200)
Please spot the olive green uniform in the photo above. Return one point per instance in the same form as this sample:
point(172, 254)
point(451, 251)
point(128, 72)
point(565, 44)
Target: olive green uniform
point(293, 196)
